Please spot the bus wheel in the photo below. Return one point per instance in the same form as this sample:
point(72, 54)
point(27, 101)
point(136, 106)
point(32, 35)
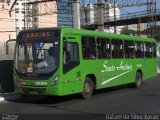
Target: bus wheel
point(138, 80)
point(87, 88)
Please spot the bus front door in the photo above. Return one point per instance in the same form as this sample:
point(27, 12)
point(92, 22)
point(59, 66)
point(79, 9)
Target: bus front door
point(71, 66)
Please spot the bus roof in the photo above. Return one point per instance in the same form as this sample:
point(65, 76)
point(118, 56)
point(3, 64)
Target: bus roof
point(39, 29)
point(73, 31)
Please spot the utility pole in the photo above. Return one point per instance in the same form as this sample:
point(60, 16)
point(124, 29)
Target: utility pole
point(151, 10)
point(139, 27)
point(115, 28)
point(100, 15)
point(86, 12)
point(34, 15)
point(76, 13)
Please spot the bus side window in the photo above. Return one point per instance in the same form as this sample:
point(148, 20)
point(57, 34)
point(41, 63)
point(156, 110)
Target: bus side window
point(66, 55)
point(88, 48)
point(70, 56)
point(154, 54)
point(104, 48)
point(129, 49)
point(117, 48)
point(139, 52)
point(148, 50)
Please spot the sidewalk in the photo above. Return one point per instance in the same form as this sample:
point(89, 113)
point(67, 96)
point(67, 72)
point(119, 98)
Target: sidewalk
point(1, 98)
point(7, 94)
point(4, 96)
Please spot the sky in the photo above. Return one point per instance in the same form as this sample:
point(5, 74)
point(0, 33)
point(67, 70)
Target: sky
point(138, 9)
point(128, 10)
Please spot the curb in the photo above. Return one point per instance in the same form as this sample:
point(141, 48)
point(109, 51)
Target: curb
point(7, 94)
point(1, 99)
point(3, 96)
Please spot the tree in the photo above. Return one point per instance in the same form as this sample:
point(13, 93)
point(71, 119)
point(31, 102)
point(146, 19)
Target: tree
point(127, 31)
point(157, 34)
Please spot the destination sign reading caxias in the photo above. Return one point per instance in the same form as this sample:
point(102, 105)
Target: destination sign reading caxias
point(38, 35)
point(30, 35)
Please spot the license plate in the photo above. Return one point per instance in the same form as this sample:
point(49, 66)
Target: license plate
point(41, 83)
point(33, 92)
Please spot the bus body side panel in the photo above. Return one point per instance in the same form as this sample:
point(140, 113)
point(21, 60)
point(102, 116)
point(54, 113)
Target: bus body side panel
point(149, 68)
point(89, 68)
point(115, 72)
point(72, 82)
point(105, 73)
point(123, 71)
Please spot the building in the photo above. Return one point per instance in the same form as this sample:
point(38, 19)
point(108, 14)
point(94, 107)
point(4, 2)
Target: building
point(48, 14)
point(109, 16)
point(7, 28)
point(7, 23)
point(10, 26)
point(65, 13)
point(87, 13)
point(19, 15)
point(25, 18)
point(135, 27)
point(47, 17)
point(89, 16)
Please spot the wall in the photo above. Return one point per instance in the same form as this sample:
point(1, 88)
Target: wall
point(7, 23)
point(6, 76)
point(6, 69)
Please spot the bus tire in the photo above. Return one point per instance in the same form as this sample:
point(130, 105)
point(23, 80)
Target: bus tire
point(138, 80)
point(87, 88)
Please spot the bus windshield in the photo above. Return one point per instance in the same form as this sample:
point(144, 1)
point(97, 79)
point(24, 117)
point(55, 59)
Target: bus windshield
point(37, 57)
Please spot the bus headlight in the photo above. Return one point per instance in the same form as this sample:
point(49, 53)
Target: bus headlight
point(55, 80)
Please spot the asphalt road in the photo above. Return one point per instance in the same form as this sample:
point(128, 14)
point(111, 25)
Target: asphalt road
point(119, 100)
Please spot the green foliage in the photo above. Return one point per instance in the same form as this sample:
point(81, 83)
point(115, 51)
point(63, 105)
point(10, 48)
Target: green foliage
point(157, 35)
point(127, 31)
point(144, 32)
point(149, 29)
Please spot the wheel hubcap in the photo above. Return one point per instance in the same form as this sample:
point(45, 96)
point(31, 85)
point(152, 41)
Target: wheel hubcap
point(87, 88)
point(138, 80)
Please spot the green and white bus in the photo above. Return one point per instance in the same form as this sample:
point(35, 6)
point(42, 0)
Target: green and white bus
point(81, 61)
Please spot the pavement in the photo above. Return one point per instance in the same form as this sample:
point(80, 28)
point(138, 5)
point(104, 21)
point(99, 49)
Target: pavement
point(3, 96)
point(111, 103)
point(1, 99)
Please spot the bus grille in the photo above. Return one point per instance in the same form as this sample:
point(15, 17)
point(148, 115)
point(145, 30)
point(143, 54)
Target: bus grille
point(39, 91)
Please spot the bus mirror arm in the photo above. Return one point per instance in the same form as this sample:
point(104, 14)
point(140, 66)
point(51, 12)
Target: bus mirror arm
point(7, 46)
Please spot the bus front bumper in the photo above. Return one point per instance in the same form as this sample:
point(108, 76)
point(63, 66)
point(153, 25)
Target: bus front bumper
point(49, 90)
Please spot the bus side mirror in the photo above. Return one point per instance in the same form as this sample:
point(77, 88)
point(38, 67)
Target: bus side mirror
point(7, 46)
